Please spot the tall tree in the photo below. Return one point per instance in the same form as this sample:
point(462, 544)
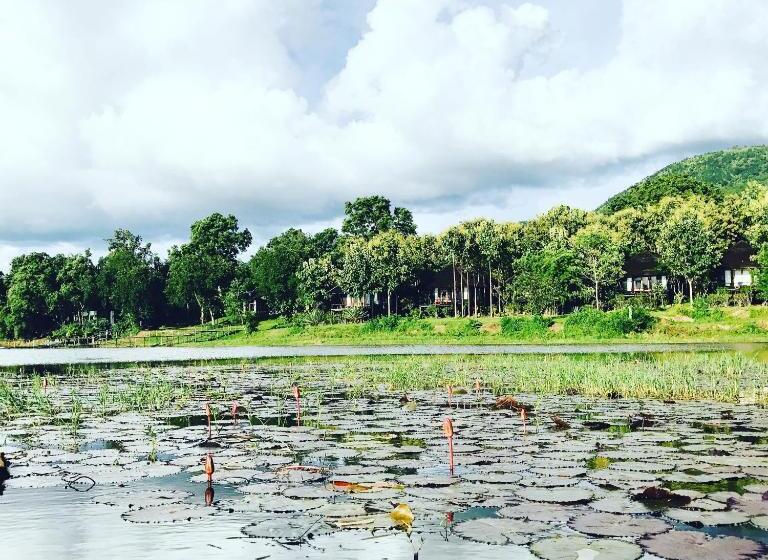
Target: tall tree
point(546, 280)
point(317, 279)
point(275, 266)
point(599, 258)
point(689, 245)
point(202, 270)
point(77, 285)
point(366, 216)
point(128, 277)
point(31, 305)
point(356, 270)
point(394, 260)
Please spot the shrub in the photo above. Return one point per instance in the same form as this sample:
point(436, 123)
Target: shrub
point(589, 321)
point(700, 310)
point(354, 314)
point(251, 322)
point(751, 328)
point(721, 298)
point(525, 327)
point(465, 327)
point(387, 323)
point(127, 325)
point(311, 318)
point(410, 324)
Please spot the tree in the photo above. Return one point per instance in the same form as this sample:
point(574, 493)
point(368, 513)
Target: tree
point(546, 280)
point(394, 259)
point(275, 266)
point(689, 246)
point(129, 277)
point(202, 270)
point(600, 260)
point(317, 279)
point(356, 270)
point(31, 300)
point(369, 215)
point(77, 285)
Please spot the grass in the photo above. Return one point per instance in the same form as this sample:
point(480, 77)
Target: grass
point(730, 324)
point(724, 377)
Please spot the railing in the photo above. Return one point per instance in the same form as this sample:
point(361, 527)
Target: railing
point(147, 340)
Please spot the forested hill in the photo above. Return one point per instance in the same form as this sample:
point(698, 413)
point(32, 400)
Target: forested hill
point(710, 174)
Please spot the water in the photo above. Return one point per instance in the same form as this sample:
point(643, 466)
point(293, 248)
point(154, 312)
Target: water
point(51, 356)
point(57, 522)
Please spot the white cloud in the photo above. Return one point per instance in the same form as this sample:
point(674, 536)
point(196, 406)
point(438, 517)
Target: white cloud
point(151, 114)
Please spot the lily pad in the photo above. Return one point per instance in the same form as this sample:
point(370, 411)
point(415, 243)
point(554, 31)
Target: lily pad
point(500, 531)
point(615, 525)
point(556, 495)
point(689, 545)
point(573, 547)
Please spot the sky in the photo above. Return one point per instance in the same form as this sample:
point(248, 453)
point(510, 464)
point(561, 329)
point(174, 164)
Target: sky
point(148, 115)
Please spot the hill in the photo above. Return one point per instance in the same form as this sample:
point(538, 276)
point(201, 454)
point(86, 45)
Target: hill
point(710, 174)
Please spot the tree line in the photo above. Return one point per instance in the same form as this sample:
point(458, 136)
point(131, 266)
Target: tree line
point(563, 258)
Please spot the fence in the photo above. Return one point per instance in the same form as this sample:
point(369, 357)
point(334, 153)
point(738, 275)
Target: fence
point(156, 338)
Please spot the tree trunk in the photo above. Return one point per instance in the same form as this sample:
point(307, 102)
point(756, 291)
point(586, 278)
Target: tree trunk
point(202, 309)
point(461, 294)
point(389, 298)
point(210, 312)
point(455, 303)
point(597, 295)
point(490, 289)
point(690, 289)
point(475, 295)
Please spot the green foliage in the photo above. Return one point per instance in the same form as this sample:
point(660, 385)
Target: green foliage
point(251, 322)
point(200, 271)
point(546, 280)
point(465, 327)
point(130, 277)
point(354, 314)
point(720, 298)
point(651, 190)
point(591, 322)
point(127, 325)
point(387, 323)
point(688, 243)
point(534, 326)
point(708, 174)
point(370, 215)
point(312, 318)
point(274, 269)
point(88, 328)
point(317, 279)
point(701, 310)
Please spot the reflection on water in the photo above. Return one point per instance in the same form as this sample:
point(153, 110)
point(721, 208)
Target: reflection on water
point(50, 356)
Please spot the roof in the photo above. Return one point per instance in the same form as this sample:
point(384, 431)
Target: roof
point(738, 255)
point(642, 264)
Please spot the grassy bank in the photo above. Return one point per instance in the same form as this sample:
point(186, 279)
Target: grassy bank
point(674, 324)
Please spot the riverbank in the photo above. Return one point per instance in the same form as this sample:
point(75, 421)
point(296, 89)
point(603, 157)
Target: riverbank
point(674, 324)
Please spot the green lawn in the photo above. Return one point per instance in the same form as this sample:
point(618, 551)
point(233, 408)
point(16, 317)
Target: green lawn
point(731, 324)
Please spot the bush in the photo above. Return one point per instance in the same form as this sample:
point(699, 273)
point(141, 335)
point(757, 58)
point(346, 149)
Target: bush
point(701, 310)
point(125, 326)
point(589, 321)
point(312, 318)
point(721, 298)
point(88, 328)
point(751, 328)
point(465, 327)
point(251, 322)
point(354, 314)
point(436, 311)
point(387, 323)
point(525, 327)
